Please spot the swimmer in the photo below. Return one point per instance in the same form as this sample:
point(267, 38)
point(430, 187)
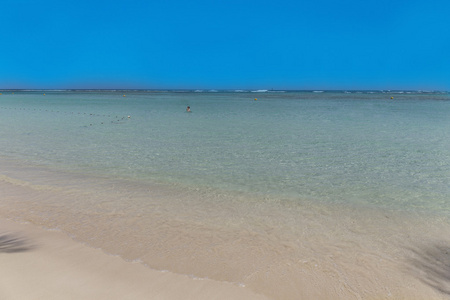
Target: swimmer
point(188, 109)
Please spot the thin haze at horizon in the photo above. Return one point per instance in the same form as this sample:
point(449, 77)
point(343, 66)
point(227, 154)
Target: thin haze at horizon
point(312, 44)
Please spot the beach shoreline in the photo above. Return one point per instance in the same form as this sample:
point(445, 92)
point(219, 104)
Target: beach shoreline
point(358, 258)
point(293, 196)
point(45, 264)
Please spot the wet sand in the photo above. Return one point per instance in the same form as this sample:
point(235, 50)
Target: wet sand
point(41, 264)
point(108, 240)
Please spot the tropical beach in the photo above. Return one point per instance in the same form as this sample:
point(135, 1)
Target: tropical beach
point(179, 149)
point(297, 195)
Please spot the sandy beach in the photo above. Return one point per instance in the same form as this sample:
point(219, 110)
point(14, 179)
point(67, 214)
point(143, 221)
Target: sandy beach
point(40, 264)
point(43, 262)
point(294, 196)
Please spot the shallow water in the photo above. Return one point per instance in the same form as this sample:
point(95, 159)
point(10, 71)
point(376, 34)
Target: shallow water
point(296, 194)
point(335, 147)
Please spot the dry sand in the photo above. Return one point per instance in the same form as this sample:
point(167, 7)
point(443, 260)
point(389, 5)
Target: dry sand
point(40, 264)
point(282, 251)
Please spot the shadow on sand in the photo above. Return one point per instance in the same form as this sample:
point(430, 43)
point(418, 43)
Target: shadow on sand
point(13, 244)
point(431, 265)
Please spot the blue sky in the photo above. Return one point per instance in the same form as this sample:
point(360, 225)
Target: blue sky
point(303, 44)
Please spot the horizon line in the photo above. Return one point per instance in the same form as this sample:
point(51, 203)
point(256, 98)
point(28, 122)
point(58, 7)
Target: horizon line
point(199, 90)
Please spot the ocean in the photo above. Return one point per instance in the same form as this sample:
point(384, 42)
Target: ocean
point(273, 190)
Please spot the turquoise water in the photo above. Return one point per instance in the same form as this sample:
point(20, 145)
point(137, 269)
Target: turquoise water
point(337, 147)
point(297, 195)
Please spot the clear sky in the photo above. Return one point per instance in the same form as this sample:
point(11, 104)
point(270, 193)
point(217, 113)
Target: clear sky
point(232, 44)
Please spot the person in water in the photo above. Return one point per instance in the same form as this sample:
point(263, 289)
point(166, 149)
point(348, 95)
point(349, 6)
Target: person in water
point(188, 109)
